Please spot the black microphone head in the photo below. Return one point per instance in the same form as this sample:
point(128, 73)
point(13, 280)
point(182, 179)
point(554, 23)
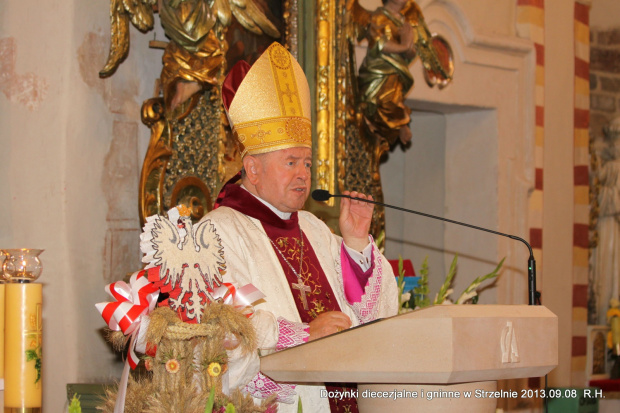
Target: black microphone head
point(321, 195)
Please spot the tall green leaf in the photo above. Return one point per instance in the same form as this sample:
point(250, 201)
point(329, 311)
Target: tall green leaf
point(470, 292)
point(421, 291)
point(444, 291)
point(210, 401)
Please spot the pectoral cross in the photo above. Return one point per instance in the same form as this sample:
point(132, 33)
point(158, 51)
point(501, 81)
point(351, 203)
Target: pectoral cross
point(303, 289)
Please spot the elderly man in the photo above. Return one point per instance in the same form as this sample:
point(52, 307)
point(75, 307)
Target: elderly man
point(315, 282)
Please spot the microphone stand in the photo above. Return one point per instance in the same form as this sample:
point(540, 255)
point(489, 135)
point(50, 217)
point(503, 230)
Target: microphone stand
point(533, 295)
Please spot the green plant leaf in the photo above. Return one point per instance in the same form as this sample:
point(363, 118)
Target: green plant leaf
point(421, 291)
point(470, 292)
point(444, 291)
point(401, 282)
point(35, 355)
point(230, 408)
point(210, 401)
point(379, 241)
point(300, 409)
point(75, 406)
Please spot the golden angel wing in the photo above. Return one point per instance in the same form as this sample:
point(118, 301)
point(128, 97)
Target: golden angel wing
point(252, 18)
point(412, 12)
point(140, 13)
point(358, 20)
point(434, 50)
point(119, 39)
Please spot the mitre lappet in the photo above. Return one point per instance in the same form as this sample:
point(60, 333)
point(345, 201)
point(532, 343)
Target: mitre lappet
point(268, 104)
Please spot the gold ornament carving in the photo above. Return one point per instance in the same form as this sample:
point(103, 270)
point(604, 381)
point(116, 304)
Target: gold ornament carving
point(325, 93)
point(191, 152)
point(349, 143)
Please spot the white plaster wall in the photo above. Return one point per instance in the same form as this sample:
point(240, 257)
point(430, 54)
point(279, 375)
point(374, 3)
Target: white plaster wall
point(472, 197)
point(415, 179)
point(450, 171)
point(604, 14)
point(557, 280)
point(61, 126)
point(490, 17)
point(486, 17)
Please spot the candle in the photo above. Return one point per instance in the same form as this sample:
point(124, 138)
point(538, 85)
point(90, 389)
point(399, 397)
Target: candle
point(615, 334)
point(23, 334)
point(1, 336)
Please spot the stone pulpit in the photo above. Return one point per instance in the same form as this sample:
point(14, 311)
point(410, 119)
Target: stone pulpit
point(438, 358)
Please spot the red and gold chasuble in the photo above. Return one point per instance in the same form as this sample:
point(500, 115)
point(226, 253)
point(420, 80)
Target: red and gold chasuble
point(285, 237)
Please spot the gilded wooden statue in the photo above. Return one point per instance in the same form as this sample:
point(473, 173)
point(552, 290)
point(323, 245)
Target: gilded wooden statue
point(396, 35)
point(191, 152)
point(376, 116)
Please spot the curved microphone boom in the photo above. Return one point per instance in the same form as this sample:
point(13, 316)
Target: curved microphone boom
point(534, 296)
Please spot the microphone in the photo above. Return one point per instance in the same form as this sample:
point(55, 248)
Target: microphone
point(322, 195)
point(534, 296)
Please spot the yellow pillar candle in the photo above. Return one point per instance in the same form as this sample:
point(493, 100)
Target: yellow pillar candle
point(23, 334)
point(615, 334)
point(2, 335)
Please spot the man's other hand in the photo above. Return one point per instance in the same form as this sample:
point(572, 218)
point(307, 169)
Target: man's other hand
point(328, 323)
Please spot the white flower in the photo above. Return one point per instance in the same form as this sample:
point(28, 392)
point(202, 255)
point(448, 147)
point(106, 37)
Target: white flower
point(406, 297)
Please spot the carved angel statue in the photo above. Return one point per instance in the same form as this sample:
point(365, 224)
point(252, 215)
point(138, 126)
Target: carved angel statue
point(396, 34)
point(191, 260)
point(195, 56)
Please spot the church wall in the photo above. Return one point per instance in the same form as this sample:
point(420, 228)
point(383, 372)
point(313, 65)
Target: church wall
point(486, 17)
point(471, 160)
point(555, 271)
point(415, 179)
point(493, 84)
point(604, 14)
point(71, 151)
point(558, 178)
point(71, 146)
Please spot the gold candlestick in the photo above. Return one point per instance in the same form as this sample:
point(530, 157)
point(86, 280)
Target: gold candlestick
point(23, 332)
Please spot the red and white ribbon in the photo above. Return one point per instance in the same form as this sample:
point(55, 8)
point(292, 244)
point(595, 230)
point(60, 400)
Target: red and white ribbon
point(133, 301)
point(239, 298)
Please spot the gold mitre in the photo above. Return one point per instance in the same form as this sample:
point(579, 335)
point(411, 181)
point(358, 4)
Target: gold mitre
point(270, 108)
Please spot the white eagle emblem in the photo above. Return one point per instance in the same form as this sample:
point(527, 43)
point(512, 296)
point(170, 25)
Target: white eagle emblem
point(191, 259)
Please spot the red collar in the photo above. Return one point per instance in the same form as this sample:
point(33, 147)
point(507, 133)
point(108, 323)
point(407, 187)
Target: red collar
point(243, 201)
